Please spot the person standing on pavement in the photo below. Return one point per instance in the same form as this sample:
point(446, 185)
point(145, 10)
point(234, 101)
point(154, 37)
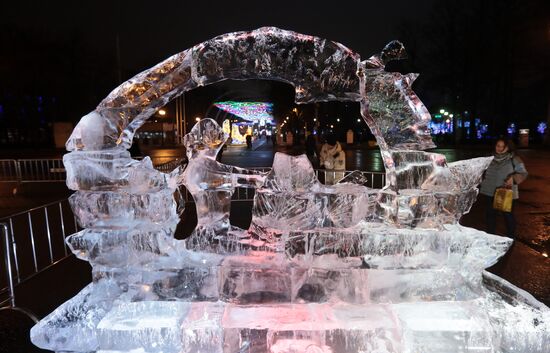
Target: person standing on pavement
point(311, 146)
point(333, 158)
point(506, 170)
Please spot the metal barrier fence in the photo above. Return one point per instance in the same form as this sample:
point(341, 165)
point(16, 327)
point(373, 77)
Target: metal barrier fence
point(9, 170)
point(33, 241)
point(53, 170)
point(42, 170)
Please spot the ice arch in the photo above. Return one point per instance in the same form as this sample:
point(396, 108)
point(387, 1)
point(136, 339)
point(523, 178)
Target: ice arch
point(319, 69)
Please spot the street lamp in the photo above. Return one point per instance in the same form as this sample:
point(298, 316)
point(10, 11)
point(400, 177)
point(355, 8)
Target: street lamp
point(162, 112)
point(197, 119)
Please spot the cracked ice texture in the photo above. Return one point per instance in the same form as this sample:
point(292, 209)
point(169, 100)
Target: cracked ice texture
point(394, 113)
point(211, 183)
point(319, 69)
point(293, 199)
point(423, 190)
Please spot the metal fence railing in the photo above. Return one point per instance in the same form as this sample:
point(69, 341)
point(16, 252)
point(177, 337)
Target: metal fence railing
point(32, 242)
point(9, 170)
point(43, 170)
point(53, 170)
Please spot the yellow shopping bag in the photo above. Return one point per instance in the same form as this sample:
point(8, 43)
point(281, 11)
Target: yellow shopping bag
point(503, 199)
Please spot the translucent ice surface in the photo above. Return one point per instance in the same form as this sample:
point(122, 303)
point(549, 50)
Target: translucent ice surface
point(338, 268)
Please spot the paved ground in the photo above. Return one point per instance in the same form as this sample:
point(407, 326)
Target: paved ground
point(524, 265)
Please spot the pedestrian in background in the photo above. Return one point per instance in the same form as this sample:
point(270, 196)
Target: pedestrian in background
point(506, 170)
point(333, 158)
point(311, 147)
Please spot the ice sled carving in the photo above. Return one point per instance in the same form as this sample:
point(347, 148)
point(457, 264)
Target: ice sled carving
point(318, 274)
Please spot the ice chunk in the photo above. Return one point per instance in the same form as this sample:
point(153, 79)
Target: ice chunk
point(72, 326)
point(426, 192)
point(118, 210)
point(395, 115)
point(469, 172)
point(110, 170)
point(292, 199)
point(153, 326)
point(315, 327)
point(202, 328)
point(445, 327)
point(93, 132)
point(121, 248)
point(520, 322)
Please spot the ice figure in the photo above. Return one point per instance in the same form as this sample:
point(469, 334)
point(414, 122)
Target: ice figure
point(212, 183)
point(322, 269)
point(394, 113)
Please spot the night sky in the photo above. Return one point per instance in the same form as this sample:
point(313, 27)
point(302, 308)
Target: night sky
point(488, 57)
point(150, 31)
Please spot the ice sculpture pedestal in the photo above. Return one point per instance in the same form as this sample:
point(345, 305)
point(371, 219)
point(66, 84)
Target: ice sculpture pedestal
point(405, 292)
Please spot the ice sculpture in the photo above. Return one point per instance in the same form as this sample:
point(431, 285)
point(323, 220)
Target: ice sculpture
point(212, 183)
point(340, 269)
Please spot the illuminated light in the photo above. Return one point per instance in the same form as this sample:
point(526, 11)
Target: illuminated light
point(442, 111)
point(446, 113)
point(197, 119)
point(314, 119)
point(358, 120)
point(295, 110)
point(541, 127)
point(162, 112)
point(545, 254)
point(332, 126)
point(251, 111)
point(448, 121)
point(451, 115)
point(338, 120)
